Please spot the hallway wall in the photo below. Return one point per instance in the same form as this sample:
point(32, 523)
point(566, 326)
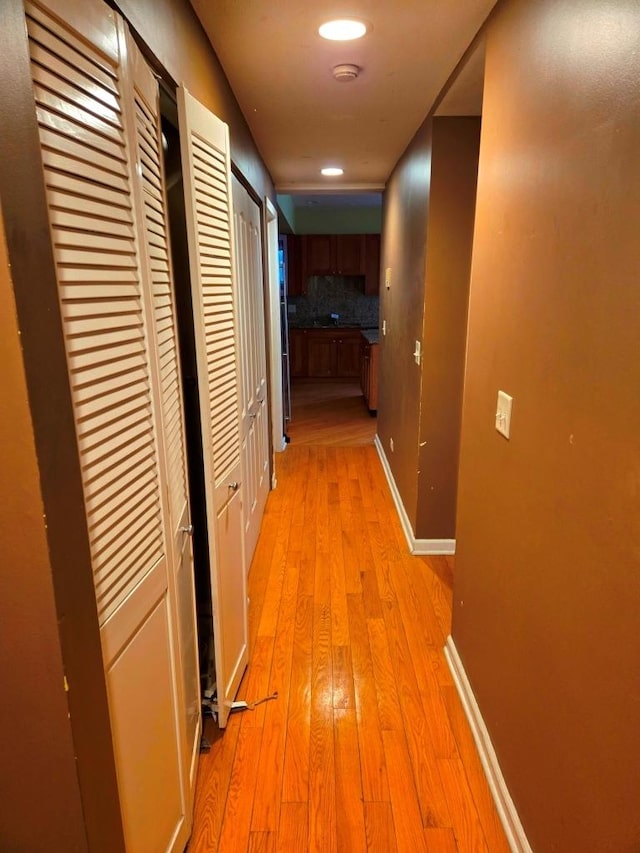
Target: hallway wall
point(172, 31)
point(547, 581)
point(403, 247)
point(452, 203)
point(427, 236)
point(31, 669)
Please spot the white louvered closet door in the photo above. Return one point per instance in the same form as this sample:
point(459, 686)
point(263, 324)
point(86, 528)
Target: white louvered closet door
point(82, 96)
point(206, 169)
point(254, 408)
point(153, 229)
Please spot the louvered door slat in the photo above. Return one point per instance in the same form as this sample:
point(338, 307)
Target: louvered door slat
point(149, 155)
point(79, 109)
point(212, 204)
point(206, 169)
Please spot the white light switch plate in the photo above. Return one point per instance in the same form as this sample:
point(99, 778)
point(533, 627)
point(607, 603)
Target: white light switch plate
point(503, 414)
point(387, 277)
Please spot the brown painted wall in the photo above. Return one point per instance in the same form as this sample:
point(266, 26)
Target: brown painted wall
point(547, 587)
point(452, 201)
point(405, 214)
point(40, 807)
point(60, 497)
point(173, 32)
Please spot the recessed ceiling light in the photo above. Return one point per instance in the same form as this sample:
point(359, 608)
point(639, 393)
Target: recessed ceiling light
point(343, 29)
point(331, 171)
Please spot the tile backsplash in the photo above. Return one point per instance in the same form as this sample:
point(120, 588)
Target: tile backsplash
point(335, 294)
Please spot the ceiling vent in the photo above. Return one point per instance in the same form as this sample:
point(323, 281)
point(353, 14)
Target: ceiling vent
point(345, 73)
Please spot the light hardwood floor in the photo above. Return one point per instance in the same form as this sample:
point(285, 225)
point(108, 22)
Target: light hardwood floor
point(329, 412)
point(366, 746)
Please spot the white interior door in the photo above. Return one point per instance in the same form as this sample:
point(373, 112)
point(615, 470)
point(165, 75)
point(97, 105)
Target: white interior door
point(206, 171)
point(153, 229)
point(84, 105)
point(254, 433)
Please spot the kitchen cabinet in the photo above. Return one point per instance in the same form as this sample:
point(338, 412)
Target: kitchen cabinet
point(369, 374)
point(321, 358)
point(334, 254)
point(297, 352)
point(372, 265)
point(348, 353)
point(318, 353)
point(296, 278)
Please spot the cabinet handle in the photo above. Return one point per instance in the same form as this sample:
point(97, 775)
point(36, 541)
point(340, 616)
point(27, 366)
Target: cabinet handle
point(234, 486)
point(188, 530)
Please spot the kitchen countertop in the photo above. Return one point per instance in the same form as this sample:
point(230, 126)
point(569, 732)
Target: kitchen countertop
point(325, 326)
point(372, 336)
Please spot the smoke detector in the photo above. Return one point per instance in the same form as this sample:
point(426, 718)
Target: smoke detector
point(345, 73)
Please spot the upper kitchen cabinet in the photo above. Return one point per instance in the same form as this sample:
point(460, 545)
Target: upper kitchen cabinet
point(372, 265)
point(334, 254)
point(296, 278)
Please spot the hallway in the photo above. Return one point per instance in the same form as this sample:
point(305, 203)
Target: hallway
point(366, 746)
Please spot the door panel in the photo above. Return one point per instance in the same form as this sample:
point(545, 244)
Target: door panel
point(231, 590)
point(84, 106)
point(206, 170)
point(254, 405)
point(154, 240)
point(140, 680)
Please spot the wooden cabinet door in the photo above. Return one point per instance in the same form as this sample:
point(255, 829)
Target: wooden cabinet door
point(297, 353)
point(296, 278)
point(322, 351)
point(372, 265)
point(365, 356)
point(348, 356)
point(318, 254)
point(349, 254)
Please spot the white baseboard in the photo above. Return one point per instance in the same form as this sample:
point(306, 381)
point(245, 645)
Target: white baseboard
point(416, 546)
point(504, 804)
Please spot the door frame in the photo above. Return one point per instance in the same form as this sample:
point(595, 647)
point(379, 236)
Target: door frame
point(274, 337)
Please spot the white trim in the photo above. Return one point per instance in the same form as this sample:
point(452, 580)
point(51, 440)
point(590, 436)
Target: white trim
point(433, 546)
point(428, 547)
point(504, 804)
point(273, 327)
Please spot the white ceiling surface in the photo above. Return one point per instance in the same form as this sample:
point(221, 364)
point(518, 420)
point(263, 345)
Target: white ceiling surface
point(301, 118)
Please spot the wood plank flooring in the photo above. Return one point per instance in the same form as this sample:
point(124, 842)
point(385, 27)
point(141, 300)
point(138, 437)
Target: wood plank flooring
point(329, 412)
point(366, 747)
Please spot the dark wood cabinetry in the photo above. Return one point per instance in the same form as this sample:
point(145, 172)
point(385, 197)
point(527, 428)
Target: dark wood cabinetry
point(321, 349)
point(369, 374)
point(334, 254)
point(318, 353)
point(297, 352)
point(348, 353)
point(372, 265)
point(296, 278)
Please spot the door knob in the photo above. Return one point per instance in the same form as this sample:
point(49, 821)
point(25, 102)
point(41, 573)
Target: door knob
point(234, 486)
point(188, 530)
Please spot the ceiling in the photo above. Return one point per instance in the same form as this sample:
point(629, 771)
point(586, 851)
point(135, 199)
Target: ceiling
point(302, 119)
